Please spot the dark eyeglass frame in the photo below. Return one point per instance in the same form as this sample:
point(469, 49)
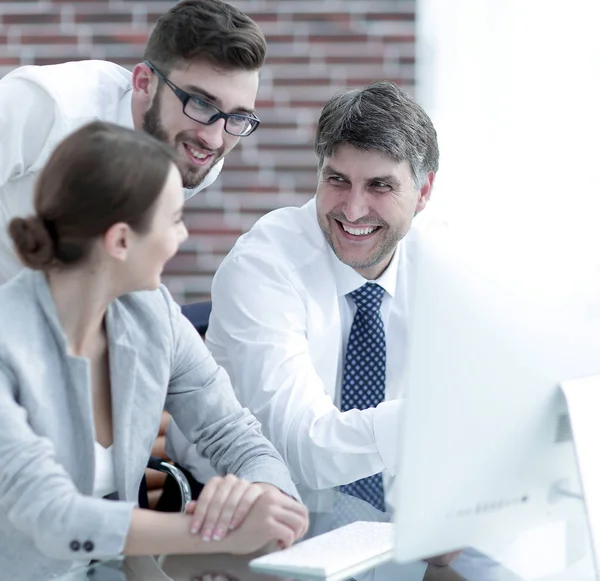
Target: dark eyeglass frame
point(185, 97)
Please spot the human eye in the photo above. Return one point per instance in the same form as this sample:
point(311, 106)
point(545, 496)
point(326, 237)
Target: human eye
point(238, 121)
point(380, 186)
point(336, 180)
point(200, 105)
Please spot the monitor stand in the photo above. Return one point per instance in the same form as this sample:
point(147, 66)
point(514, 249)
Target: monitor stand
point(583, 404)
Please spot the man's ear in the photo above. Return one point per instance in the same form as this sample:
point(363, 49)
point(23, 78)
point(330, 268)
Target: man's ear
point(117, 241)
point(425, 192)
point(143, 82)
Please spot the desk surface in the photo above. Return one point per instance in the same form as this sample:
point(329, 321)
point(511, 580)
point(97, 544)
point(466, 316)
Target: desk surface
point(330, 510)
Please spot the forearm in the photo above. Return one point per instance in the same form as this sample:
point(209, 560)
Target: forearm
point(333, 448)
point(161, 533)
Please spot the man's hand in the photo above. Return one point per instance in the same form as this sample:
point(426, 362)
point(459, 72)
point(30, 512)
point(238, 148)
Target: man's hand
point(443, 560)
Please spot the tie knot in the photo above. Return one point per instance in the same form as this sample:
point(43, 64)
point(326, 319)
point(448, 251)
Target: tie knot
point(368, 297)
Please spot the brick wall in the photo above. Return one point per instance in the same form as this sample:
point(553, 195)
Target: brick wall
point(316, 47)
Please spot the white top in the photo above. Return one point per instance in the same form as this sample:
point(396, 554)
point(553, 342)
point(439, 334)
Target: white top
point(39, 106)
point(104, 475)
point(280, 324)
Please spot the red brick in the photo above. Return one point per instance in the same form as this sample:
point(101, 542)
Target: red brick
point(108, 18)
point(333, 17)
point(49, 39)
point(121, 38)
point(387, 16)
point(408, 38)
point(42, 60)
point(52, 18)
point(352, 60)
point(353, 38)
point(288, 60)
point(301, 82)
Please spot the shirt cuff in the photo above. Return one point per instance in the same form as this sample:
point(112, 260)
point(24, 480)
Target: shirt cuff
point(387, 431)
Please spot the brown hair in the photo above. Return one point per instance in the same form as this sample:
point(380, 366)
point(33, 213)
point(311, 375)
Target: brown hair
point(206, 30)
point(98, 176)
point(381, 117)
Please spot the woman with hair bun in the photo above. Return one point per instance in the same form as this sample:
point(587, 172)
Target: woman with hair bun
point(92, 348)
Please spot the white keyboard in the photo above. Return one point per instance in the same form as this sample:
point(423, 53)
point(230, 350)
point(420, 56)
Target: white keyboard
point(346, 551)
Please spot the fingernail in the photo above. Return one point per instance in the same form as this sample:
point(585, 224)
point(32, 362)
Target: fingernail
point(217, 535)
point(195, 528)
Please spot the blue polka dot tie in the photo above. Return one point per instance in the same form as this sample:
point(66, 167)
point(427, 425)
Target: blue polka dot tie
point(363, 384)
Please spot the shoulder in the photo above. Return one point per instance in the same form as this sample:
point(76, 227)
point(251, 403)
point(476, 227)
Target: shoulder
point(72, 80)
point(22, 321)
point(147, 316)
point(288, 238)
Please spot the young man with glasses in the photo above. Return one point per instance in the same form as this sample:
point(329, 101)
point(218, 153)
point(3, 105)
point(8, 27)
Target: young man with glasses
point(195, 90)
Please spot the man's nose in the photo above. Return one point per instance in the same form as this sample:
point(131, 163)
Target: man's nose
point(356, 205)
point(212, 135)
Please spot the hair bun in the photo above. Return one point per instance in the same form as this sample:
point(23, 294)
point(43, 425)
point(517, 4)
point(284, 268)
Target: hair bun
point(32, 242)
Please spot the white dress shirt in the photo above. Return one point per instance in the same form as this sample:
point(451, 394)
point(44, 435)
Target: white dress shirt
point(41, 105)
point(280, 324)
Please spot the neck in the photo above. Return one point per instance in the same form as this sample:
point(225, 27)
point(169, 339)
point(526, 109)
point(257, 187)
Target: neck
point(136, 114)
point(374, 272)
point(81, 299)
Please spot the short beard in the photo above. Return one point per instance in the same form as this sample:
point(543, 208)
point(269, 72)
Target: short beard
point(381, 253)
point(152, 125)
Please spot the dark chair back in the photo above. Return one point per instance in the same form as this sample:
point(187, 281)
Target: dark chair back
point(198, 314)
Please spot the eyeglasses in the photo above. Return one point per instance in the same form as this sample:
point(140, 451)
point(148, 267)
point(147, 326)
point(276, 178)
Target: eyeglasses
point(205, 112)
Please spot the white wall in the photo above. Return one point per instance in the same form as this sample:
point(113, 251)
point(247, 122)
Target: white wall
point(513, 87)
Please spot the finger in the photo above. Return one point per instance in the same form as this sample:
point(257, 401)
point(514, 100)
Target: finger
point(292, 520)
point(236, 493)
point(190, 507)
point(245, 503)
point(291, 505)
point(213, 509)
point(283, 534)
point(443, 560)
point(202, 504)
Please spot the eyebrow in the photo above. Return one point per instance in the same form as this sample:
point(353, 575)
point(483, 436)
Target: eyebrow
point(214, 99)
point(392, 180)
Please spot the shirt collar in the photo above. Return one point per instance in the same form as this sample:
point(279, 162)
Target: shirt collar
point(348, 280)
point(125, 112)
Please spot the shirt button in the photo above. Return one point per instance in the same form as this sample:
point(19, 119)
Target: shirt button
point(88, 546)
point(75, 546)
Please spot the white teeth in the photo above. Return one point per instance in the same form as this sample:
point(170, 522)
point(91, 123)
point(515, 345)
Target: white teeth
point(359, 231)
point(197, 154)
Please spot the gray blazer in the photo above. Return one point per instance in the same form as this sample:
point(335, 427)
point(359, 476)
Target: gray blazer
point(48, 516)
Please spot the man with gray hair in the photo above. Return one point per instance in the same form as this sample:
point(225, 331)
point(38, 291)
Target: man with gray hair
point(310, 307)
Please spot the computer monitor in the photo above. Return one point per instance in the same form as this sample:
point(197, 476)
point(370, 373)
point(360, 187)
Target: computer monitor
point(485, 441)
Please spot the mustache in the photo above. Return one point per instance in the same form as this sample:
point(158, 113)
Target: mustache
point(195, 142)
point(366, 220)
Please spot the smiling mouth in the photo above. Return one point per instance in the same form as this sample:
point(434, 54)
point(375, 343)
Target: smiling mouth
point(198, 156)
point(358, 231)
